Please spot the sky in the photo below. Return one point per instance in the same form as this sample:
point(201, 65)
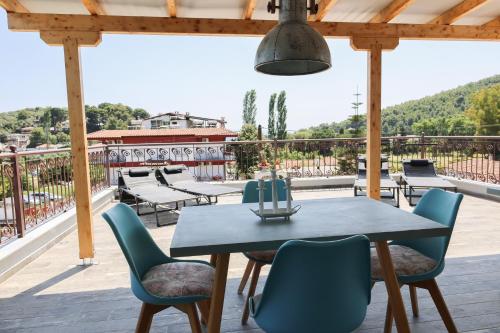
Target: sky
point(208, 76)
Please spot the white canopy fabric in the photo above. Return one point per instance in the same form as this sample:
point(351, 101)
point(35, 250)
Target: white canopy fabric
point(418, 12)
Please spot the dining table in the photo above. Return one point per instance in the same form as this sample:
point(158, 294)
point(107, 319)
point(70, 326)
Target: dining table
point(219, 230)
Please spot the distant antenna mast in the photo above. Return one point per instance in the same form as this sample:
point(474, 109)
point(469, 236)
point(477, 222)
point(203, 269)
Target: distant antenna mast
point(355, 106)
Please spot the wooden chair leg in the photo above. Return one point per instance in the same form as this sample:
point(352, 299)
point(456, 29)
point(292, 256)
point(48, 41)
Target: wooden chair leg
point(192, 312)
point(246, 275)
point(204, 307)
point(251, 292)
point(146, 316)
point(438, 299)
point(414, 300)
point(388, 319)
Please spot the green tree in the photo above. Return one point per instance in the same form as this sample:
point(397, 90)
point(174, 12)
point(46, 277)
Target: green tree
point(485, 111)
point(271, 123)
point(38, 136)
point(57, 115)
point(62, 138)
point(140, 114)
point(249, 107)
point(461, 125)
point(247, 156)
point(281, 123)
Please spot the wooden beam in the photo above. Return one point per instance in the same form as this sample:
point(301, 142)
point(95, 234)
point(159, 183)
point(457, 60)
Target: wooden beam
point(56, 38)
point(493, 23)
point(13, 6)
point(324, 7)
point(171, 8)
point(374, 46)
point(454, 13)
point(249, 8)
point(392, 10)
point(231, 27)
point(359, 43)
point(94, 7)
point(78, 132)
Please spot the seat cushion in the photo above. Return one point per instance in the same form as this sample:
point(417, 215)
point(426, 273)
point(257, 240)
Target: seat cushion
point(266, 257)
point(407, 261)
point(179, 279)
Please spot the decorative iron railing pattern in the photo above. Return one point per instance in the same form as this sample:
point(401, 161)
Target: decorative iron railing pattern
point(475, 158)
point(38, 185)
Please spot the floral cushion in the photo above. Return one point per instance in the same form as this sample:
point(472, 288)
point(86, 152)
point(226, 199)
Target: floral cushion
point(407, 261)
point(179, 279)
point(262, 256)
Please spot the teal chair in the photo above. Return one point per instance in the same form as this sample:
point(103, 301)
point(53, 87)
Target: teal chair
point(158, 280)
point(418, 262)
point(321, 287)
point(256, 260)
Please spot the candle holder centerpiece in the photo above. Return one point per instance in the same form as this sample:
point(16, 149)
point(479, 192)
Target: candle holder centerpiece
point(275, 212)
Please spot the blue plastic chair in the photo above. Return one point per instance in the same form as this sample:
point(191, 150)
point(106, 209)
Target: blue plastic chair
point(256, 260)
point(316, 287)
point(442, 207)
point(142, 254)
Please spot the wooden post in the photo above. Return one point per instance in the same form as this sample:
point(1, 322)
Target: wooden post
point(374, 46)
point(17, 194)
point(78, 130)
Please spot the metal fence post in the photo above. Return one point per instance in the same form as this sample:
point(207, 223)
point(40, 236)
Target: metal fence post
point(108, 164)
point(422, 146)
point(17, 193)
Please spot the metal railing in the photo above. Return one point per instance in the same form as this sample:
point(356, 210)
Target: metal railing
point(38, 185)
point(475, 158)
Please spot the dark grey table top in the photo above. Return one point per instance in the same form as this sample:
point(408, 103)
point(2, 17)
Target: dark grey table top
point(203, 230)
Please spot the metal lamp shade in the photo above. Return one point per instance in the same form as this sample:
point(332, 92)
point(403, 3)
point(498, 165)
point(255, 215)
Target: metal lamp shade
point(292, 47)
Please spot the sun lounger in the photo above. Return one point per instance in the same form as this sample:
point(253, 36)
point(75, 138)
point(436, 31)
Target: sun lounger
point(143, 187)
point(179, 178)
point(420, 176)
point(389, 189)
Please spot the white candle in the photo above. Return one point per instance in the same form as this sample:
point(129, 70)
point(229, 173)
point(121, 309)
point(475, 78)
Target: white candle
point(288, 194)
point(274, 190)
point(261, 196)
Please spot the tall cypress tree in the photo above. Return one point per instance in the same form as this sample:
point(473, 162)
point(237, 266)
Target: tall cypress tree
point(281, 124)
point(249, 107)
point(271, 127)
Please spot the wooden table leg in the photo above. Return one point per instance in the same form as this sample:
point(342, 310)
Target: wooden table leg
point(392, 285)
point(219, 289)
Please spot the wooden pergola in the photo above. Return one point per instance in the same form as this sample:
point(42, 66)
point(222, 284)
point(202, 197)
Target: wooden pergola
point(371, 25)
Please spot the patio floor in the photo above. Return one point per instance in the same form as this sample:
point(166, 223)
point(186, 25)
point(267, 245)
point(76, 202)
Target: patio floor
point(55, 294)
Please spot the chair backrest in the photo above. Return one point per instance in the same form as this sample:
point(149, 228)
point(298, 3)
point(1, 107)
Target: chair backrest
point(251, 192)
point(136, 243)
point(317, 286)
point(384, 167)
point(136, 177)
point(441, 207)
point(176, 174)
point(419, 168)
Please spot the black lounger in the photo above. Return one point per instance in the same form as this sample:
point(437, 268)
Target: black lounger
point(419, 176)
point(143, 187)
point(389, 189)
point(178, 177)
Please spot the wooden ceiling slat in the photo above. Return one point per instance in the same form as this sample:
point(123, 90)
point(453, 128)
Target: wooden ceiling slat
point(493, 23)
point(249, 9)
point(94, 7)
point(391, 11)
point(239, 27)
point(171, 8)
point(324, 7)
point(460, 10)
point(13, 6)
